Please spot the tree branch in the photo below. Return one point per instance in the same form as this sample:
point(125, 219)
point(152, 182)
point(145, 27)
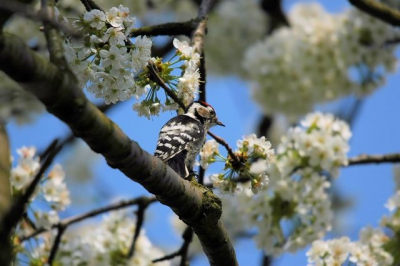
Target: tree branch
point(196, 205)
point(10, 219)
point(90, 5)
point(75, 219)
point(161, 83)
point(56, 244)
point(276, 15)
point(28, 12)
point(227, 147)
point(142, 206)
point(367, 159)
point(5, 196)
point(166, 29)
point(378, 10)
point(184, 249)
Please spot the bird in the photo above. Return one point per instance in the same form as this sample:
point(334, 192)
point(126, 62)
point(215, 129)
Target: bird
point(181, 138)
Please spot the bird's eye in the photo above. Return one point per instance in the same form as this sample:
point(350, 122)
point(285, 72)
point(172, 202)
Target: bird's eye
point(212, 112)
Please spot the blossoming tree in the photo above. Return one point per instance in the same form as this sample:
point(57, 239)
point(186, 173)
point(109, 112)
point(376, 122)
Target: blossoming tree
point(56, 55)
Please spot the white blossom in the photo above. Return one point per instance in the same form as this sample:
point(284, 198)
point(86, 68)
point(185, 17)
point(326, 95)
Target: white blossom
point(208, 151)
point(316, 54)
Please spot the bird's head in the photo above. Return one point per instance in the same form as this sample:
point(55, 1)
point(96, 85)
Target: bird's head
point(203, 112)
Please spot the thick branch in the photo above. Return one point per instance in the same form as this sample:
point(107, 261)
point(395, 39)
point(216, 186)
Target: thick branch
point(5, 195)
point(5, 166)
point(378, 10)
point(196, 205)
point(90, 5)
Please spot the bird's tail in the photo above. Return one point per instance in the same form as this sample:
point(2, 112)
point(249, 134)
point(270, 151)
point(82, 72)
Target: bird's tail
point(178, 164)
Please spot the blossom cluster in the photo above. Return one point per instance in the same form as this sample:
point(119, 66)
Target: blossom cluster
point(321, 57)
point(369, 250)
point(253, 158)
point(107, 244)
point(114, 68)
point(185, 86)
point(52, 189)
point(297, 189)
point(375, 246)
point(107, 59)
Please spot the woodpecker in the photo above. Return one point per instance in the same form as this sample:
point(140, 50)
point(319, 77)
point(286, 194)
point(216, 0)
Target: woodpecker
point(182, 137)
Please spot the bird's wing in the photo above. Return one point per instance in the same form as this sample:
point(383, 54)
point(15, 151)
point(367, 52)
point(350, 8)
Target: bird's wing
point(177, 135)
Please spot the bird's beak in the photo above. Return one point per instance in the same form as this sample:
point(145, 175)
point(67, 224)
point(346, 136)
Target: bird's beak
point(219, 123)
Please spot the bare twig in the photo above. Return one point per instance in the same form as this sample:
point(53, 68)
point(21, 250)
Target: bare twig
point(166, 29)
point(56, 244)
point(378, 10)
point(227, 147)
point(366, 159)
point(361, 159)
point(72, 220)
point(183, 251)
point(142, 206)
point(161, 83)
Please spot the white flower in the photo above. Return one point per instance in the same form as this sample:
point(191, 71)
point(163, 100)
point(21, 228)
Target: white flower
point(115, 57)
point(55, 190)
point(143, 109)
point(27, 152)
point(46, 219)
point(114, 18)
point(188, 85)
point(207, 153)
point(96, 18)
point(20, 177)
point(115, 36)
point(317, 54)
point(259, 167)
point(183, 47)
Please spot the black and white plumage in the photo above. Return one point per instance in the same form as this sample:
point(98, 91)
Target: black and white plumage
point(181, 138)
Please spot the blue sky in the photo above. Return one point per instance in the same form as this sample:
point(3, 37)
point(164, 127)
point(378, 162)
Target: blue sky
point(376, 131)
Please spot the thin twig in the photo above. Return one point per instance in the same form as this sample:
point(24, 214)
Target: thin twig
point(16, 212)
point(361, 159)
point(366, 159)
point(56, 244)
point(166, 29)
point(161, 83)
point(72, 220)
point(203, 77)
point(183, 251)
point(227, 147)
point(142, 206)
point(378, 10)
